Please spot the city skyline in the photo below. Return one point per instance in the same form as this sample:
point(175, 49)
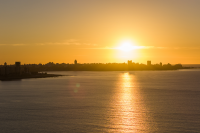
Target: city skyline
point(27, 69)
point(76, 62)
point(100, 31)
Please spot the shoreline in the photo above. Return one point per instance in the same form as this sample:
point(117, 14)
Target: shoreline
point(125, 70)
point(11, 78)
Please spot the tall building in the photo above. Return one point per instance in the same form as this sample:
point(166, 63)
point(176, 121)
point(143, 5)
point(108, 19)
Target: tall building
point(148, 63)
point(17, 64)
point(75, 62)
point(129, 62)
point(17, 67)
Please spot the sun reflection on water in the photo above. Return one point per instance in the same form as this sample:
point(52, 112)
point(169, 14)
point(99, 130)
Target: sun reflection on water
point(126, 101)
point(128, 109)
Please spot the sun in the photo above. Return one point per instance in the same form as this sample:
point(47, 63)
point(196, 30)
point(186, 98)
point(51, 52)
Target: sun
point(127, 49)
point(126, 46)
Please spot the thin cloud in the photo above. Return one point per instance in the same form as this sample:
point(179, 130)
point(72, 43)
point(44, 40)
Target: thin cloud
point(177, 48)
point(12, 44)
point(132, 48)
point(18, 44)
point(160, 47)
point(67, 42)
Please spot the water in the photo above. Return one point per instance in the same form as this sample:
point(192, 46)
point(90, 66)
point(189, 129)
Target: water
point(136, 101)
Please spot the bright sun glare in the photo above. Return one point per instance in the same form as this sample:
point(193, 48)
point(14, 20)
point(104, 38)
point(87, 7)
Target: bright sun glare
point(126, 46)
point(129, 46)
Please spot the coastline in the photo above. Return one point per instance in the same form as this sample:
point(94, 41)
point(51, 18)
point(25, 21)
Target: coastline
point(10, 78)
point(19, 77)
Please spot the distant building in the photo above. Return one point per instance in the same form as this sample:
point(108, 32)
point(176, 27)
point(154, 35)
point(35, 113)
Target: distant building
point(17, 64)
point(160, 63)
point(50, 64)
point(129, 62)
point(148, 63)
point(17, 67)
point(75, 62)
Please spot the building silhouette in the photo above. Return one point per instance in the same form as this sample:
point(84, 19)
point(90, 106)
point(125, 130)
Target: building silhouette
point(129, 62)
point(17, 67)
point(17, 64)
point(28, 69)
point(148, 63)
point(75, 62)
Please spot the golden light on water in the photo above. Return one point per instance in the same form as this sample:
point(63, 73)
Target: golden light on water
point(128, 105)
point(126, 100)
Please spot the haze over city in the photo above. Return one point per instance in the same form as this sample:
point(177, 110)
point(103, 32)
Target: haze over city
point(60, 31)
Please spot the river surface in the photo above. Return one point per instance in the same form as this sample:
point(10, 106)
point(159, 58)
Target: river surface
point(118, 101)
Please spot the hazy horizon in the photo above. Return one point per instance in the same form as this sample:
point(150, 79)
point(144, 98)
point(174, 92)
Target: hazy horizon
point(100, 31)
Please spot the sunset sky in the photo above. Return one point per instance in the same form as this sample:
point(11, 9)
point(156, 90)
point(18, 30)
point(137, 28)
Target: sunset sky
point(100, 31)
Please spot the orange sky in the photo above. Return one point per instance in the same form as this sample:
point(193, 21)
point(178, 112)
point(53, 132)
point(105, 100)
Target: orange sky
point(60, 31)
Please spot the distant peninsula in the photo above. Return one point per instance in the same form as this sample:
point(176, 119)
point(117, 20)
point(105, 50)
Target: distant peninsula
point(19, 77)
point(18, 72)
